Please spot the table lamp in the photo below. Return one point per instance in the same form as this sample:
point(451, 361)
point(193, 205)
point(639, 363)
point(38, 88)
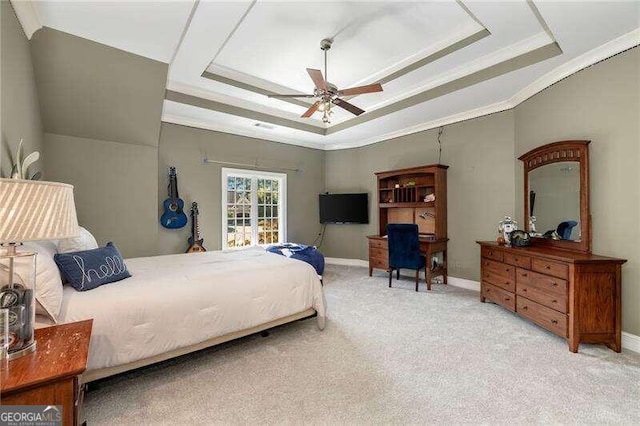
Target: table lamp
point(30, 210)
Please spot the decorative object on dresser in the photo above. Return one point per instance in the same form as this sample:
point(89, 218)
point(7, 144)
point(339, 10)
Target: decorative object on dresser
point(173, 216)
point(505, 227)
point(30, 211)
point(51, 376)
point(557, 283)
point(401, 199)
point(195, 240)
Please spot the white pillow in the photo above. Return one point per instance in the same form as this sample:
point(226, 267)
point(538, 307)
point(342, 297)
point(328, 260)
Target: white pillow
point(48, 280)
point(85, 241)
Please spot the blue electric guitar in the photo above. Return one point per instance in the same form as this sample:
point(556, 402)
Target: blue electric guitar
point(173, 216)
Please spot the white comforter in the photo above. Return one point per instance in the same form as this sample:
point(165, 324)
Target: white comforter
point(180, 300)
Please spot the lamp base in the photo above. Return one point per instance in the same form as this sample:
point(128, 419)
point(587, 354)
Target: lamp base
point(22, 352)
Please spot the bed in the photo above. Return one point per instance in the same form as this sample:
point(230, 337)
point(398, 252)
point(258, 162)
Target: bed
point(176, 304)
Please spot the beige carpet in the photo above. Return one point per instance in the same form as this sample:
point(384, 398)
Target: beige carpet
point(386, 356)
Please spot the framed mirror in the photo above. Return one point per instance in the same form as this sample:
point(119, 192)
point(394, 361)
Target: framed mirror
point(556, 195)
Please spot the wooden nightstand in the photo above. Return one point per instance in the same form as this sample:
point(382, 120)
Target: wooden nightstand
point(49, 376)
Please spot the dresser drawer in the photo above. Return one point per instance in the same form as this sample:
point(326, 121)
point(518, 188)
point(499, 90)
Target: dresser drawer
point(499, 296)
point(498, 268)
point(377, 253)
point(491, 253)
point(542, 282)
point(378, 244)
point(550, 299)
point(501, 281)
point(550, 319)
point(549, 267)
point(517, 260)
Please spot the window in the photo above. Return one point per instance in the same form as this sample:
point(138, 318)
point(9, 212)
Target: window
point(253, 208)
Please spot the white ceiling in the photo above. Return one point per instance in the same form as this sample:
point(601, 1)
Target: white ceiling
point(232, 52)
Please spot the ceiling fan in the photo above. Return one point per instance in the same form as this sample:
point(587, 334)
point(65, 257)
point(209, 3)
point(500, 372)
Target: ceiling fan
point(327, 94)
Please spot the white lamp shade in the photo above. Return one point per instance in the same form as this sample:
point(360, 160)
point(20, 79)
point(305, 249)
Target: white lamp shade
point(32, 210)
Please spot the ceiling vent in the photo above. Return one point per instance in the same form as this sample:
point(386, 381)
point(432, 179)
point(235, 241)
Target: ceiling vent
point(265, 126)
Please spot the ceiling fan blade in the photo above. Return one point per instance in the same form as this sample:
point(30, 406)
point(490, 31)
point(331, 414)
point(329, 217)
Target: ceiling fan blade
point(318, 79)
point(313, 108)
point(291, 96)
point(369, 88)
point(349, 107)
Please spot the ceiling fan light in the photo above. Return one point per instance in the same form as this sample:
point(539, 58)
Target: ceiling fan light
point(322, 106)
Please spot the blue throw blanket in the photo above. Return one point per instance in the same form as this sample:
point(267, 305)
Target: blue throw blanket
point(300, 252)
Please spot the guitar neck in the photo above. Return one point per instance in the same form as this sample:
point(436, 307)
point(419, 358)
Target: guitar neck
point(195, 227)
point(173, 187)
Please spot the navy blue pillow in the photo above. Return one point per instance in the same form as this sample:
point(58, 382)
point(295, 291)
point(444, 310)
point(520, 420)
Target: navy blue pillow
point(86, 270)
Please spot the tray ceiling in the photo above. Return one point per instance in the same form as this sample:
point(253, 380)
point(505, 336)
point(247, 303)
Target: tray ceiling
point(439, 62)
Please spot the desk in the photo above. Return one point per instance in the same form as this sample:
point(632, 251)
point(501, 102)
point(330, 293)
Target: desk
point(379, 255)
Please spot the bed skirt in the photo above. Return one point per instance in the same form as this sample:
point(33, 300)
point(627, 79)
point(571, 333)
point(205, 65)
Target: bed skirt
point(90, 376)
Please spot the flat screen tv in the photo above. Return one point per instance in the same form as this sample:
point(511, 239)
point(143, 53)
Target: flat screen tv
point(344, 208)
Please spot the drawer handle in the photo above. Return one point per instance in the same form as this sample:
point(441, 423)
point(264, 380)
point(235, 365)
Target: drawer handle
point(507, 283)
point(524, 290)
point(507, 269)
point(524, 308)
point(524, 274)
point(548, 267)
point(491, 253)
point(506, 299)
point(554, 321)
point(554, 301)
point(515, 258)
point(488, 290)
point(554, 284)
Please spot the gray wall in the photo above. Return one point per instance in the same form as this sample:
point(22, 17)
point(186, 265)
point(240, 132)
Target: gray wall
point(601, 104)
point(184, 148)
point(115, 189)
point(101, 111)
point(90, 90)
point(19, 107)
point(480, 183)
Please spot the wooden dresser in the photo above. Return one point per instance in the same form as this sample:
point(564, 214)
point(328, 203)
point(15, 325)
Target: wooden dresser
point(50, 375)
point(574, 295)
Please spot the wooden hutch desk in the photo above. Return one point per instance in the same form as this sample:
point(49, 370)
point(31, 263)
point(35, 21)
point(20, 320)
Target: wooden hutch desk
point(401, 195)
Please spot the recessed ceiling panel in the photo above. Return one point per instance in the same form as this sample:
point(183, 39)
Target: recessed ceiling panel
point(276, 41)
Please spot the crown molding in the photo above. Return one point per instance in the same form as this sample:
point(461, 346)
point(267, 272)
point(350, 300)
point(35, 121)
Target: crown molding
point(190, 122)
point(28, 16)
point(433, 124)
point(600, 53)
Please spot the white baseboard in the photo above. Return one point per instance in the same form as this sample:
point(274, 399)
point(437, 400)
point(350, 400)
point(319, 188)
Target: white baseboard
point(629, 341)
point(463, 283)
point(346, 262)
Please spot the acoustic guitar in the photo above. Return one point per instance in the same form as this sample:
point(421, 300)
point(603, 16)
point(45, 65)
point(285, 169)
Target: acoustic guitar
point(173, 216)
point(195, 241)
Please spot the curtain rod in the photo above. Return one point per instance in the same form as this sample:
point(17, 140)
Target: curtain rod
point(205, 160)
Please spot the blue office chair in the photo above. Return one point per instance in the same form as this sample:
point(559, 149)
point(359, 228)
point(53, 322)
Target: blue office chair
point(404, 249)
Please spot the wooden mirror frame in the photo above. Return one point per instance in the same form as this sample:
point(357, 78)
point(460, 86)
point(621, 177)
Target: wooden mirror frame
point(554, 153)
